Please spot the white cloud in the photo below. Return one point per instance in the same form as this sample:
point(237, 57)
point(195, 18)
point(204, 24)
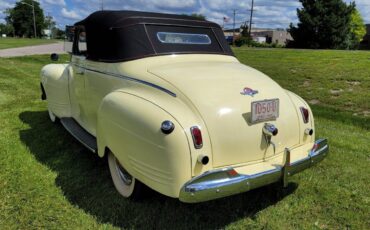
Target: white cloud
point(5, 4)
point(364, 8)
point(269, 13)
point(70, 14)
point(54, 2)
point(173, 4)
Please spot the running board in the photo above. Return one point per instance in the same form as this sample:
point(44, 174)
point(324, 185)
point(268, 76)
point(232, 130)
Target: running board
point(88, 140)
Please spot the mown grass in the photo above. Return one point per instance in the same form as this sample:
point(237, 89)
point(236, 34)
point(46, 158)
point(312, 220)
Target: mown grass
point(48, 180)
point(6, 43)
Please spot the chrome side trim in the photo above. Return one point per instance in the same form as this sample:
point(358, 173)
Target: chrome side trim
point(131, 79)
point(224, 182)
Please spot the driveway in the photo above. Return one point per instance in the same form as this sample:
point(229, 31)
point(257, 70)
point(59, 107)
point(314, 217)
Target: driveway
point(32, 50)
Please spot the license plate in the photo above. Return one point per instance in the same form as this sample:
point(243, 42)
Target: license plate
point(266, 110)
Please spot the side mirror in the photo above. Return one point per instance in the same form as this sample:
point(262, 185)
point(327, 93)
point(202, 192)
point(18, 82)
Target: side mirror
point(54, 57)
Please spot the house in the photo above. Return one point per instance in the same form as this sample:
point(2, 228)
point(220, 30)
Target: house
point(263, 35)
point(231, 32)
point(277, 36)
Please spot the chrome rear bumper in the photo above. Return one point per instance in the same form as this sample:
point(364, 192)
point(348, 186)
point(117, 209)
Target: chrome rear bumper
point(226, 182)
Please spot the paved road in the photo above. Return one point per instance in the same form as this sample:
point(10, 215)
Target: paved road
point(31, 50)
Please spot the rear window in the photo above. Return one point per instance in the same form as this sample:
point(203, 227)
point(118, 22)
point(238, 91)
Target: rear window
point(183, 38)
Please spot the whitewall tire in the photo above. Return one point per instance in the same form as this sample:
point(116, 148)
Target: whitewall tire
point(52, 116)
point(125, 184)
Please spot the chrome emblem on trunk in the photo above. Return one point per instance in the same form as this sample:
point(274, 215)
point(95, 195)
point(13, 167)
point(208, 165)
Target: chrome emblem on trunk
point(249, 92)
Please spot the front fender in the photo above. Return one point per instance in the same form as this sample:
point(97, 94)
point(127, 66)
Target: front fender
point(54, 80)
point(129, 125)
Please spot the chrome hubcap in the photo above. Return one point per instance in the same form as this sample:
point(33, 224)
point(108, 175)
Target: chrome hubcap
point(123, 174)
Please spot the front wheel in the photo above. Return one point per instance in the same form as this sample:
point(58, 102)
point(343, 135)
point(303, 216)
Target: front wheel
point(125, 184)
point(52, 116)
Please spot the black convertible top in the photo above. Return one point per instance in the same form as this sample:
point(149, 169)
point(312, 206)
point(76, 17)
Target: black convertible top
point(114, 36)
point(115, 19)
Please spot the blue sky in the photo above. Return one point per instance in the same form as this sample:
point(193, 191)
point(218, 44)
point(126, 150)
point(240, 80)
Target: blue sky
point(268, 14)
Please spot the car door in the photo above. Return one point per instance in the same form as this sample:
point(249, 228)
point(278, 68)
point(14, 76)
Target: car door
point(77, 78)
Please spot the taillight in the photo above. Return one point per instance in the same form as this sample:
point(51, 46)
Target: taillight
point(305, 115)
point(232, 173)
point(197, 137)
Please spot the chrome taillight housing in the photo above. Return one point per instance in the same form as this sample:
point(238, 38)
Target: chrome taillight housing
point(196, 133)
point(305, 114)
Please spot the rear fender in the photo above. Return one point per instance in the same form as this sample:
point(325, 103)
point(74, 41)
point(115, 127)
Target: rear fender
point(299, 102)
point(129, 125)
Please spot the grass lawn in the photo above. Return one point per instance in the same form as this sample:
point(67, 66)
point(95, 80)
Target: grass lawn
point(6, 43)
point(48, 180)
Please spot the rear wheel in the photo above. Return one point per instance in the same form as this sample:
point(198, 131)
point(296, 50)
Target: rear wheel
point(127, 185)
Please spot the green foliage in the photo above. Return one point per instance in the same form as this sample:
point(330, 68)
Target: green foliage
point(58, 33)
point(6, 29)
point(21, 18)
point(245, 31)
point(49, 22)
point(199, 16)
point(247, 41)
point(357, 29)
point(323, 24)
point(241, 41)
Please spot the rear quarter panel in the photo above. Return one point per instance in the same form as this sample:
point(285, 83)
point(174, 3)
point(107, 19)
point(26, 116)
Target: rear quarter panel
point(299, 102)
point(129, 125)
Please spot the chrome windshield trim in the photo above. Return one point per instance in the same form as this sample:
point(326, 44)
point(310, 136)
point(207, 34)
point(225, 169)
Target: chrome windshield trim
point(224, 182)
point(130, 79)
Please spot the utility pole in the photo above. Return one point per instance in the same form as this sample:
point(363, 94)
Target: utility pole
point(34, 18)
point(251, 19)
point(102, 4)
point(50, 29)
point(234, 13)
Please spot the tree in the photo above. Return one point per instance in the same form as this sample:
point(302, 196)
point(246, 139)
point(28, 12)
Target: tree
point(50, 26)
point(323, 24)
point(49, 22)
point(245, 38)
point(199, 16)
point(21, 18)
point(6, 29)
point(58, 33)
point(245, 30)
point(357, 29)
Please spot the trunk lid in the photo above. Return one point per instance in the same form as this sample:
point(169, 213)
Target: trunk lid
point(215, 90)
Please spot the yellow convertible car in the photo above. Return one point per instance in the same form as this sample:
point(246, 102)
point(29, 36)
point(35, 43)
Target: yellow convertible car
point(166, 100)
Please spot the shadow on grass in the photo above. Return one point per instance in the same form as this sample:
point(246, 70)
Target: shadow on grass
point(85, 181)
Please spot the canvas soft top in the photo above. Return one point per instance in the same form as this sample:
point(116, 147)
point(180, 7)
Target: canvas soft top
point(114, 36)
